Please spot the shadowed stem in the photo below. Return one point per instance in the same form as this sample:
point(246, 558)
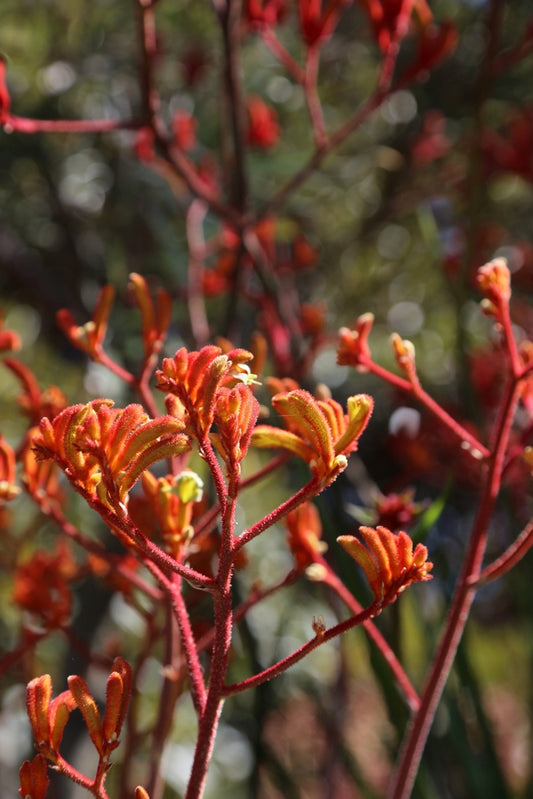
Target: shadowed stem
point(418, 730)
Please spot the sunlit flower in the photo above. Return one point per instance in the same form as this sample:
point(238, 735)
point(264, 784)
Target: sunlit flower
point(388, 560)
point(104, 450)
point(318, 431)
point(194, 379)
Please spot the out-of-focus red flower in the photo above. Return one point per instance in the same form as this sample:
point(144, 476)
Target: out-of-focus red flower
point(390, 18)
point(513, 150)
point(35, 402)
point(42, 586)
point(263, 126)
point(435, 43)
point(304, 255)
point(9, 339)
point(265, 12)
point(144, 144)
point(353, 344)
point(396, 511)
point(184, 127)
point(5, 99)
point(312, 319)
point(318, 21)
point(8, 472)
point(305, 535)
point(90, 336)
point(432, 143)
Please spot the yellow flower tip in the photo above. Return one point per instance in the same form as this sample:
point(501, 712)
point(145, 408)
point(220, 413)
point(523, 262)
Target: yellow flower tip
point(494, 280)
point(403, 348)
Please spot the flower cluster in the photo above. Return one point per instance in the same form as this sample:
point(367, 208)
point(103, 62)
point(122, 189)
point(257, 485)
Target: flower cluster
point(388, 560)
point(49, 717)
point(104, 450)
point(318, 431)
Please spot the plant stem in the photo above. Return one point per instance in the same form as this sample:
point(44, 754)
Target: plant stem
point(418, 730)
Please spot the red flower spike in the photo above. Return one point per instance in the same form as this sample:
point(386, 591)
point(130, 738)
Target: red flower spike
point(140, 793)
point(87, 706)
point(353, 346)
point(263, 126)
point(305, 530)
point(106, 449)
point(317, 431)
point(90, 336)
point(388, 561)
point(494, 281)
point(34, 778)
point(195, 378)
point(8, 472)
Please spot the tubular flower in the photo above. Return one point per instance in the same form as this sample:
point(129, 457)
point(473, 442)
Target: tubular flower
point(494, 282)
point(305, 530)
point(155, 317)
point(353, 346)
point(404, 352)
point(33, 778)
point(48, 717)
point(236, 413)
point(318, 431)
point(40, 478)
point(388, 561)
point(8, 472)
point(195, 378)
point(90, 336)
point(172, 499)
point(104, 450)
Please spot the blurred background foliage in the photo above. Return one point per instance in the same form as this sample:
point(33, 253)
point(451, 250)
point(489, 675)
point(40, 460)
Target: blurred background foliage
point(436, 182)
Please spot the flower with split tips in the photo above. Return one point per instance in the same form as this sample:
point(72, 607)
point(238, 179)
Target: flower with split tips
point(388, 560)
point(318, 431)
